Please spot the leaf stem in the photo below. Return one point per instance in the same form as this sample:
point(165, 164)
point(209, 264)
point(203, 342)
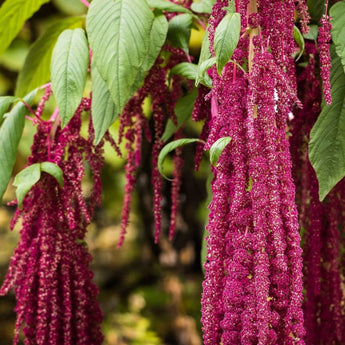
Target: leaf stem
point(85, 3)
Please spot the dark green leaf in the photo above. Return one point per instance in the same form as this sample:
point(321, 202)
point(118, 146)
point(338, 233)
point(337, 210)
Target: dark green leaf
point(167, 6)
point(70, 61)
point(183, 111)
point(36, 69)
point(171, 147)
point(226, 38)
point(312, 33)
point(327, 139)
point(202, 76)
point(217, 148)
point(103, 108)
point(337, 13)
point(10, 134)
point(54, 170)
point(25, 180)
point(298, 37)
point(13, 15)
point(5, 103)
point(120, 33)
point(185, 69)
point(179, 30)
point(316, 9)
point(204, 6)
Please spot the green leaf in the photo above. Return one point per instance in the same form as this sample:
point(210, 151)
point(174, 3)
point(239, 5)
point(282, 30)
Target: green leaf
point(183, 110)
point(120, 35)
point(337, 13)
point(316, 9)
point(327, 139)
point(171, 147)
point(69, 65)
point(13, 15)
point(167, 6)
point(312, 33)
point(5, 103)
point(217, 148)
point(53, 170)
point(204, 6)
point(226, 38)
point(185, 69)
point(202, 76)
point(298, 37)
point(179, 30)
point(36, 69)
point(25, 180)
point(10, 134)
point(205, 49)
point(103, 109)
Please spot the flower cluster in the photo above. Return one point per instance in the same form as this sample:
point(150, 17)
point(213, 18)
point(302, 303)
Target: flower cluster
point(252, 292)
point(49, 271)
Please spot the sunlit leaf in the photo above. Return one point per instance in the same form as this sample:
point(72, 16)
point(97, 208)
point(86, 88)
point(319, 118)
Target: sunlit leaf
point(298, 37)
point(103, 109)
point(171, 147)
point(226, 37)
point(202, 76)
point(167, 6)
point(327, 139)
point(36, 69)
point(10, 134)
point(13, 15)
point(185, 69)
point(120, 35)
point(53, 170)
point(183, 111)
point(204, 6)
point(68, 71)
point(217, 148)
point(5, 103)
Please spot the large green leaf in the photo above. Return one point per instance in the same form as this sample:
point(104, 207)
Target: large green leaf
point(185, 69)
point(316, 9)
point(327, 139)
point(337, 13)
point(179, 30)
point(226, 38)
point(103, 109)
point(13, 14)
point(171, 147)
point(119, 33)
point(36, 69)
point(10, 134)
point(69, 70)
point(299, 39)
point(5, 103)
point(168, 6)
point(183, 111)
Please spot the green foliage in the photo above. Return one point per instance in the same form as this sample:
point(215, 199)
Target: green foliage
point(167, 6)
point(5, 103)
point(202, 76)
point(171, 147)
point(36, 69)
point(217, 148)
point(316, 9)
point(13, 15)
point(10, 134)
point(103, 112)
point(179, 30)
point(183, 111)
point(125, 39)
point(204, 6)
point(185, 69)
point(327, 140)
point(337, 13)
point(69, 65)
point(25, 180)
point(226, 39)
point(298, 37)
point(312, 33)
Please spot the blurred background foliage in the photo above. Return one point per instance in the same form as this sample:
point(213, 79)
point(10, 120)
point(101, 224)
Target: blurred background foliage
point(150, 294)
